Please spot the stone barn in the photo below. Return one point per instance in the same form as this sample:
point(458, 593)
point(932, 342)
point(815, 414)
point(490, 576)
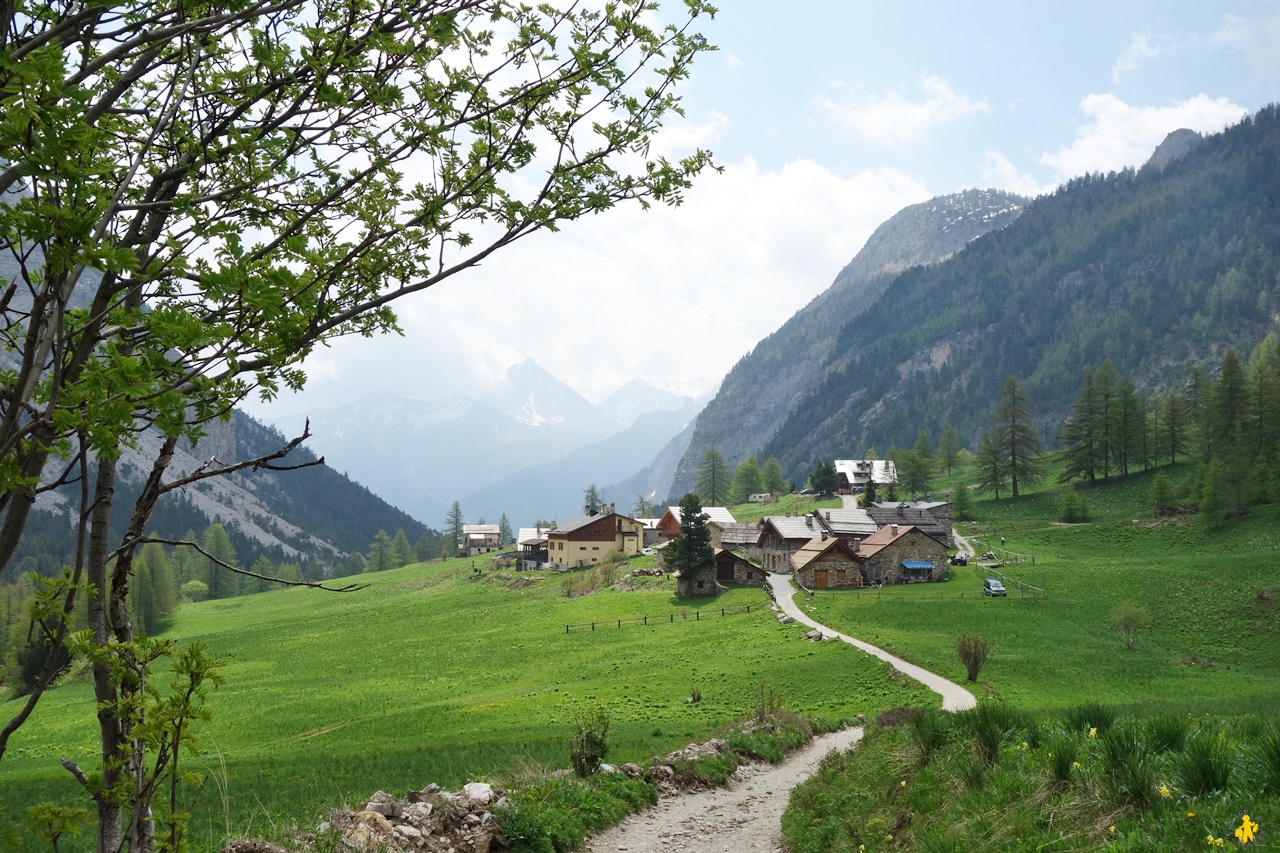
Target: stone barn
point(826, 564)
point(734, 568)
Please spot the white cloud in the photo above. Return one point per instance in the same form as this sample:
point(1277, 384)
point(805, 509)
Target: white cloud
point(1116, 135)
point(890, 117)
point(1258, 39)
point(998, 171)
point(732, 60)
point(675, 295)
point(1138, 53)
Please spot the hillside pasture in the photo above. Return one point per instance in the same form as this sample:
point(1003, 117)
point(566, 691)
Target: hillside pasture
point(436, 674)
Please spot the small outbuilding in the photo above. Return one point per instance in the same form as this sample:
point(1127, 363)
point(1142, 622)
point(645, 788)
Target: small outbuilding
point(734, 568)
point(826, 563)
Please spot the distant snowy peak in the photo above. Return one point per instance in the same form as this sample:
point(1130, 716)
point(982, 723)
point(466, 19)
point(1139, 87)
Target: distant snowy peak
point(638, 398)
point(534, 397)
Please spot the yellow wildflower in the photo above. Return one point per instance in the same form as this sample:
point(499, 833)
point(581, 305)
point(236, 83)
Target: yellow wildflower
point(1093, 731)
point(1245, 831)
point(1215, 842)
point(1164, 792)
point(902, 784)
point(1075, 765)
point(1025, 745)
point(1191, 814)
point(1111, 828)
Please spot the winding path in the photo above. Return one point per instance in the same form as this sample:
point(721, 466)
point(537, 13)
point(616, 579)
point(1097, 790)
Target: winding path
point(746, 815)
point(954, 697)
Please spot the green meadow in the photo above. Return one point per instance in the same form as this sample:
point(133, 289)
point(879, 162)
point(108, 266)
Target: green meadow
point(1214, 641)
point(432, 674)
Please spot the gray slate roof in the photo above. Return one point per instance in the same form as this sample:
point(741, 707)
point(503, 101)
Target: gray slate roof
point(738, 534)
point(904, 514)
point(795, 526)
point(848, 522)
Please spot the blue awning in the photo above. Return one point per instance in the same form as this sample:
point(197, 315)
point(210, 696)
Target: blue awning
point(916, 564)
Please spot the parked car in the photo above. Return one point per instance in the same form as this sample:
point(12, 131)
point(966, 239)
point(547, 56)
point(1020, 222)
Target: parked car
point(991, 586)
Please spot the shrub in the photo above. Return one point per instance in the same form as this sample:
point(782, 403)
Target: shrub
point(1127, 618)
point(973, 650)
point(1131, 778)
point(589, 742)
point(990, 723)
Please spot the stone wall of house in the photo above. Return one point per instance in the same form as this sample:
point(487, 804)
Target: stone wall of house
point(775, 554)
point(886, 564)
point(833, 566)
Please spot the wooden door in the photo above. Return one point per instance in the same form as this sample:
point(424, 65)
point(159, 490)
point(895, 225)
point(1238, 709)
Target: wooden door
point(819, 578)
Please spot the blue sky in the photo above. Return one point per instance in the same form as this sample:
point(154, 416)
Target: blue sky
point(828, 118)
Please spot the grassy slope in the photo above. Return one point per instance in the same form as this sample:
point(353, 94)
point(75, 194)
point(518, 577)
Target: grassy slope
point(431, 676)
point(1199, 586)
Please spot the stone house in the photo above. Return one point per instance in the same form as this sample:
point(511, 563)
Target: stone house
point(783, 535)
point(738, 536)
point(933, 517)
point(826, 562)
point(734, 568)
point(700, 582)
point(592, 537)
point(901, 554)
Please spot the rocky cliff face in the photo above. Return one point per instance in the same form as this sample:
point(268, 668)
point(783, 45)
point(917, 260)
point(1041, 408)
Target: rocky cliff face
point(759, 392)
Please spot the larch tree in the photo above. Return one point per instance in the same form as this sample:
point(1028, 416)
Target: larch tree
point(1014, 435)
point(714, 479)
point(591, 500)
point(948, 448)
point(453, 523)
point(505, 536)
point(197, 196)
point(775, 479)
point(747, 480)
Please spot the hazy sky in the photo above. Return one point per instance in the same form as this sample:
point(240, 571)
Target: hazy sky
point(828, 117)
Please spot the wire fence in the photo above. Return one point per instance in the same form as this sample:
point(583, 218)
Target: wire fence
point(670, 618)
point(999, 552)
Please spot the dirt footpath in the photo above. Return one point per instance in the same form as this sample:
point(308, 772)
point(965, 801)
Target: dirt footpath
point(744, 816)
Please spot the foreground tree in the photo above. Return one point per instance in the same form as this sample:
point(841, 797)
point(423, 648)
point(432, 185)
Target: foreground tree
point(196, 196)
point(691, 552)
point(973, 649)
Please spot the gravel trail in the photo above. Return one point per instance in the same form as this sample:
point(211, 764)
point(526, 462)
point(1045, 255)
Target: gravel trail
point(744, 816)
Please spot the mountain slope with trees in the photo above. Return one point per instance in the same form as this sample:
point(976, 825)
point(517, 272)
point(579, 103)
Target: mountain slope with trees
point(757, 395)
point(1156, 269)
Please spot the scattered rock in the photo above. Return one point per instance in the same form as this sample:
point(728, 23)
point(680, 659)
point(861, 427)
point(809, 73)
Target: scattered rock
point(480, 793)
point(369, 832)
point(785, 619)
point(250, 845)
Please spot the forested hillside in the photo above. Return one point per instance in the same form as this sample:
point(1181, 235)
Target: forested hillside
point(757, 395)
point(311, 515)
point(1155, 269)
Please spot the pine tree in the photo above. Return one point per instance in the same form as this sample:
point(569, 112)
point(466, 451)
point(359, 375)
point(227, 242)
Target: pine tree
point(505, 537)
point(691, 552)
point(713, 479)
point(591, 499)
point(823, 479)
point(1080, 436)
point(425, 548)
point(261, 566)
point(642, 508)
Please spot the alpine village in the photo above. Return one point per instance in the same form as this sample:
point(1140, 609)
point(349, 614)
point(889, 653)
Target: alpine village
point(978, 550)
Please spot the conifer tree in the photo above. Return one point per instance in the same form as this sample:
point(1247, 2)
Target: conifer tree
point(401, 550)
point(1016, 438)
point(961, 503)
point(380, 557)
point(453, 531)
point(993, 470)
point(713, 479)
point(747, 480)
point(775, 479)
point(948, 448)
point(505, 537)
point(222, 582)
point(691, 552)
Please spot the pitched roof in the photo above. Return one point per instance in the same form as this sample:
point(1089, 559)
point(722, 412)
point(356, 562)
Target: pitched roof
point(816, 547)
point(738, 533)
point(532, 535)
point(793, 526)
point(585, 520)
point(718, 514)
point(883, 471)
point(886, 535)
point(904, 513)
point(469, 529)
point(848, 522)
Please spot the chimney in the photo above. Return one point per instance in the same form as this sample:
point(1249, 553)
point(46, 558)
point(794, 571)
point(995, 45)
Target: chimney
point(894, 528)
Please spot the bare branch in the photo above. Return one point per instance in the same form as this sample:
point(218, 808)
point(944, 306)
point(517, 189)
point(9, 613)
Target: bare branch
point(352, 587)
